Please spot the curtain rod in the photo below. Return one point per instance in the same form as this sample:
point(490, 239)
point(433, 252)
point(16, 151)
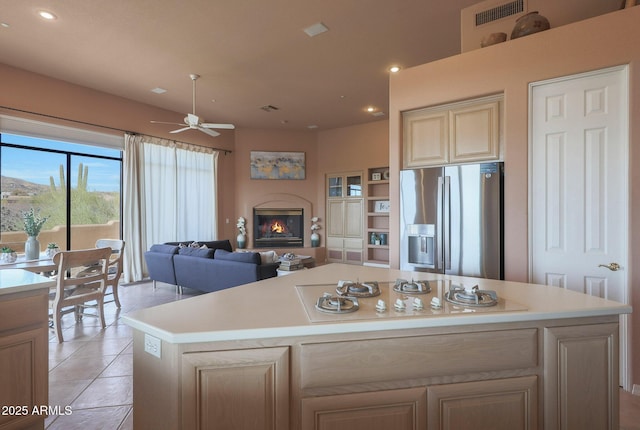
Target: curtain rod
point(226, 151)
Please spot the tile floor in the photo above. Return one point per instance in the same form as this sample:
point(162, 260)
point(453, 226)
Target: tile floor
point(90, 373)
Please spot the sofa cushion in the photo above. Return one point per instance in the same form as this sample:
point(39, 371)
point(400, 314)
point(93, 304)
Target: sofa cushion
point(165, 249)
point(217, 244)
point(242, 257)
point(196, 252)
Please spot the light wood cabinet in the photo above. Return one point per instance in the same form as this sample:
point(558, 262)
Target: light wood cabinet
point(238, 389)
point(345, 218)
point(403, 409)
point(377, 221)
point(462, 132)
point(582, 377)
point(24, 352)
point(503, 404)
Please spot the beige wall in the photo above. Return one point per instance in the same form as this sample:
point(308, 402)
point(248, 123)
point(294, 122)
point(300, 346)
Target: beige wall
point(601, 42)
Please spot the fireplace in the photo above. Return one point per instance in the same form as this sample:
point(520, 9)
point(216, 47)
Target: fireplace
point(278, 228)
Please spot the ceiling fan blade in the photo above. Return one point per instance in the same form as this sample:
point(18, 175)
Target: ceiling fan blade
point(180, 130)
point(222, 126)
point(209, 132)
point(170, 123)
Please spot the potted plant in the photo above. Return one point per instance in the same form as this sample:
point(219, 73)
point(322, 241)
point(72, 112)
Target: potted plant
point(33, 223)
point(52, 249)
point(7, 255)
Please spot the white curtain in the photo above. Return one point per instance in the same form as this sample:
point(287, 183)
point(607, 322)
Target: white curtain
point(169, 195)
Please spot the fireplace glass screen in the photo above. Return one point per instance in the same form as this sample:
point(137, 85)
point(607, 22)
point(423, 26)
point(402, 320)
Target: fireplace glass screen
point(278, 228)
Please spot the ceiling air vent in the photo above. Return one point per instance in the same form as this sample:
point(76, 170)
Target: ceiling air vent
point(499, 12)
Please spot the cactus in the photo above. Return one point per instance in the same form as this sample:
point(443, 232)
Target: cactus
point(83, 179)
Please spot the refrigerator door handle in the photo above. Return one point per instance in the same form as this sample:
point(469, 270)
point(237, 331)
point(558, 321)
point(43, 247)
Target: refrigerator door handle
point(446, 227)
point(439, 230)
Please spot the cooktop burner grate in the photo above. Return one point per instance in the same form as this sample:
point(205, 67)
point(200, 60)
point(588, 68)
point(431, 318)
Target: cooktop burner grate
point(413, 287)
point(357, 289)
point(475, 297)
point(336, 304)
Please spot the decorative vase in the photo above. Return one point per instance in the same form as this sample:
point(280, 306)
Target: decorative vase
point(32, 248)
point(530, 23)
point(242, 240)
point(50, 252)
point(8, 257)
point(315, 240)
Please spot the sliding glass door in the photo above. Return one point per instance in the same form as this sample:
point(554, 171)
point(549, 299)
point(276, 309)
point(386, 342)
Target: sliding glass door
point(77, 187)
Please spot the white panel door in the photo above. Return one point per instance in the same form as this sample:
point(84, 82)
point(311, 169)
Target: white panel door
point(579, 183)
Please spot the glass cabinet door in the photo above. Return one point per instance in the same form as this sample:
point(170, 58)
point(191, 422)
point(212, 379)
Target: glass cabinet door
point(354, 186)
point(335, 186)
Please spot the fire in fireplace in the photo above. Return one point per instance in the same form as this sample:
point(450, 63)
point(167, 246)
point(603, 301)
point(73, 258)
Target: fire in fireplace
point(278, 228)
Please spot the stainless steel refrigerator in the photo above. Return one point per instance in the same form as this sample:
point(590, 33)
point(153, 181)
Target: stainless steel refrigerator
point(451, 220)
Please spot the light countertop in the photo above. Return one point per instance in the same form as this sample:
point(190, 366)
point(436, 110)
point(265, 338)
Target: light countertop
point(273, 307)
point(19, 280)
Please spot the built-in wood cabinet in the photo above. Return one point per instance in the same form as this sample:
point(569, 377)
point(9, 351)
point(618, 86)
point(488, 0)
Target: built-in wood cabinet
point(582, 377)
point(238, 389)
point(501, 404)
point(345, 203)
point(462, 132)
point(403, 409)
point(377, 217)
point(24, 352)
point(555, 374)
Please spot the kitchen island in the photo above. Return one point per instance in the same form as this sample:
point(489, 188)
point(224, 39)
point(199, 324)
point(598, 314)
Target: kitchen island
point(24, 351)
point(260, 356)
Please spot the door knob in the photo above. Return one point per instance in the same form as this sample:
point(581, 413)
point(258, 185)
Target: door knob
point(611, 266)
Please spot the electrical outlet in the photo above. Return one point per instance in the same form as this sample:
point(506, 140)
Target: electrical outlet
point(152, 345)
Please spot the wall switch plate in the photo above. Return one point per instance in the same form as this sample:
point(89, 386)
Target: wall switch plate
point(152, 345)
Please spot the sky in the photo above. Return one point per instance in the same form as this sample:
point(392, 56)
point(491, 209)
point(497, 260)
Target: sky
point(39, 166)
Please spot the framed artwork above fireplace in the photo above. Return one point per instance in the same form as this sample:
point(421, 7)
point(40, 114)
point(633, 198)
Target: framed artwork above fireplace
point(277, 165)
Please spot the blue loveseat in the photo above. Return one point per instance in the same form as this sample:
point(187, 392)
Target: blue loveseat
point(211, 267)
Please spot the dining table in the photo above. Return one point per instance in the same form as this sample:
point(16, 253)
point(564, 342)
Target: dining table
point(43, 264)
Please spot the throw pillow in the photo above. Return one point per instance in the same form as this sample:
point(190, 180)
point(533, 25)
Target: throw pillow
point(241, 257)
point(269, 257)
point(196, 252)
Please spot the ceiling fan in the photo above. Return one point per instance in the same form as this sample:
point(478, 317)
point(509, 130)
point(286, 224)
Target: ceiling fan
point(194, 122)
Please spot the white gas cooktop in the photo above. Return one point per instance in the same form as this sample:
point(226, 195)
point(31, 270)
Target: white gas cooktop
point(393, 304)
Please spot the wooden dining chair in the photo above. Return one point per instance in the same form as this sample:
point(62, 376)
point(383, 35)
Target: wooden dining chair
point(114, 271)
point(75, 286)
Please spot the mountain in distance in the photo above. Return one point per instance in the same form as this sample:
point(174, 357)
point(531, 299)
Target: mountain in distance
point(20, 187)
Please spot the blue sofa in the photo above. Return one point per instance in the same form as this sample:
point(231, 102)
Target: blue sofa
point(211, 268)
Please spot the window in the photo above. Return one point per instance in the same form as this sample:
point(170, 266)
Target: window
point(76, 186)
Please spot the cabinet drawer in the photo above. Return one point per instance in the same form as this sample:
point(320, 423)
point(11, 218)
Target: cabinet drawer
point(24, 312)
point(377, 360)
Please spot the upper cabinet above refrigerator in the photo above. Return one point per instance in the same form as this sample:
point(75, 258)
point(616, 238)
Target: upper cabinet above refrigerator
point(462, 132)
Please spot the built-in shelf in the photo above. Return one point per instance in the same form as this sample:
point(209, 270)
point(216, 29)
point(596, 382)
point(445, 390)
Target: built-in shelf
point(377, 217)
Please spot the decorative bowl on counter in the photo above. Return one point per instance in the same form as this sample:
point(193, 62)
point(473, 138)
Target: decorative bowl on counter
point(530, 23)
point(8, 255)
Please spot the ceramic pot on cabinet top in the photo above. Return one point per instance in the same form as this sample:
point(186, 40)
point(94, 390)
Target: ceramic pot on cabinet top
point(530, 23)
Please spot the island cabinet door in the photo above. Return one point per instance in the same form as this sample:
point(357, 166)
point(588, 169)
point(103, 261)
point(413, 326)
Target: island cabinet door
point(403, 409)
point(238, 389)
point(501, 404)
point(581, 377)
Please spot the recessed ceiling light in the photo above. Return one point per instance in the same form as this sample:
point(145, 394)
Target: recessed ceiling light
point(4, 24)
point(158, 90)
point(315, 29)
point(371, 109)
point(394, 69)
point(312, 126)
point(47, 15)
